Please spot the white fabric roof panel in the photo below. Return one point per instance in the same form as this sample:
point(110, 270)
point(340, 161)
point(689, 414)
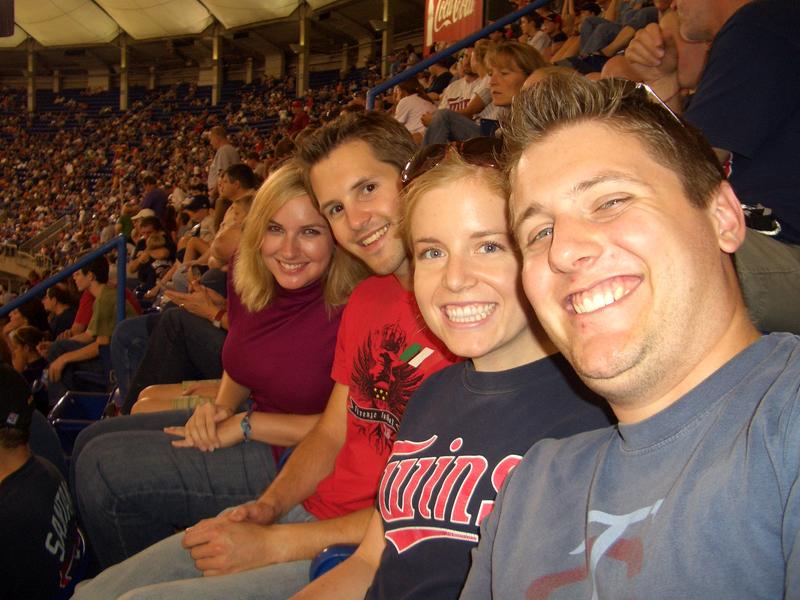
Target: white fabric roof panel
point(235, 13)
point(144, 19)
point(85, 22)
point(65, 22)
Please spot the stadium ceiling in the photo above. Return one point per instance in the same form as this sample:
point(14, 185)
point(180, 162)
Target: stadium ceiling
point(177, 33)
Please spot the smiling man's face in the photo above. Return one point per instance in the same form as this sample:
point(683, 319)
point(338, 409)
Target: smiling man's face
point(358, 194)
point(622, 270)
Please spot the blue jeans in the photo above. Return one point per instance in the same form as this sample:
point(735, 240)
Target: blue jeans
point(128, 346)
point(182, 346)
point(146, 421)
point(597, 33)
point(166, 571)
point(134, 488)
point(447, 126)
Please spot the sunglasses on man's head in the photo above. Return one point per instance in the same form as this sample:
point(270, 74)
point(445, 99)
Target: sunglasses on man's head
point(655, 99)
point(479, 151)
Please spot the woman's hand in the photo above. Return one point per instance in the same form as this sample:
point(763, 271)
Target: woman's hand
point(229, 433)
point(200, 430)
point(56, 368)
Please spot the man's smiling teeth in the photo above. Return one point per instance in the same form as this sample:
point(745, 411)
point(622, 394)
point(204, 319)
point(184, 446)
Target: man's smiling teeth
point(471, 313)
point(598, 297)
point(291, 266)
point(375, 236)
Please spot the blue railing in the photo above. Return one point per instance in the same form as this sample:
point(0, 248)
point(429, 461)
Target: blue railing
point(118, 244)
point(464, 43)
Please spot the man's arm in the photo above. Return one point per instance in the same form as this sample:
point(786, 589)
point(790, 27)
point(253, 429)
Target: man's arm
point(224, 247)
point(244, 539)
point(136, 262)
point(653, 54)
point(612, 11)
point(313, 459)
point(476, 105)
point(84, 336)
point(72, 332)
point(221, 546)
point(352, 578)
point(195, 247)
point(89, 351)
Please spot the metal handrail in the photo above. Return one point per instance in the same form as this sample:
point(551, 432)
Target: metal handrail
point(54, 228)
point(459, 45)
point(118, 244)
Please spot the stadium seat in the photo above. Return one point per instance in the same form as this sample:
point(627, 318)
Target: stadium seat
point(74, 412)
point(329, 558)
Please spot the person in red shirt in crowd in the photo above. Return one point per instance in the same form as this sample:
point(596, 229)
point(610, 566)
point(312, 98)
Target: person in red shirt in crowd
point(299, 120)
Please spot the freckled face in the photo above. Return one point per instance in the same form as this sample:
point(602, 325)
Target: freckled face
point(467, 275)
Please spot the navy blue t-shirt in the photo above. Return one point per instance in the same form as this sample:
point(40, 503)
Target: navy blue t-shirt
point(462, 434)
point(748, 102)
point(38, 533)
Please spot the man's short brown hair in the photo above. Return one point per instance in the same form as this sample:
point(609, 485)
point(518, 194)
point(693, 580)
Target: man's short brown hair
point(561, 100)
point(389, 140)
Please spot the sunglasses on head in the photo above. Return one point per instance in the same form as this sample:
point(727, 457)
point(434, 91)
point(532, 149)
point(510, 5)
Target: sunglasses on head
point(655, 99)
point(479, 151)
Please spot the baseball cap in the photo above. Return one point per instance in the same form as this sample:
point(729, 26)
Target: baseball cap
point(16, 402)
point(197, 202)
point(145, 212)
point(554, 17)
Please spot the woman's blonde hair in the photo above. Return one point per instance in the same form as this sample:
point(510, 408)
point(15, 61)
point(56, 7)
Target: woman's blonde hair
point(453, 168)
point(252, 281)
point(526, 58)
point(156, 241)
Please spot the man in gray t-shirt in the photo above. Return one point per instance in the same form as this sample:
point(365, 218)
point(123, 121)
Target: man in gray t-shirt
point(626, 228)
point(225, 155)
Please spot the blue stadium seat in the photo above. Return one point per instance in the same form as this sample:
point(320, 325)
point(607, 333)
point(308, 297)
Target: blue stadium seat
point(74, 412)
point(329, 558)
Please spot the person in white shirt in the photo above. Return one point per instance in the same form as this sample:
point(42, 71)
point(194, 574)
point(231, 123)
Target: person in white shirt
point(410, 106)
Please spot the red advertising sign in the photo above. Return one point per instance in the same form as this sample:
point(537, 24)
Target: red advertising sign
point(451, 20)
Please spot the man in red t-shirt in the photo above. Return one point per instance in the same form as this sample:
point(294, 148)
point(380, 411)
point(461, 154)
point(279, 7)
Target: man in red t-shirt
point(325, 493)
point(300, 119)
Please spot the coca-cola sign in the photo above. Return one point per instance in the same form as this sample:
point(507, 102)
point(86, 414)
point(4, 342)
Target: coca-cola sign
point(451, 11)
point(451, 20)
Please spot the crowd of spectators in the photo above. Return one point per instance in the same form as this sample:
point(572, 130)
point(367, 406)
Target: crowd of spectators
point(88, 167)
point(178, 176)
